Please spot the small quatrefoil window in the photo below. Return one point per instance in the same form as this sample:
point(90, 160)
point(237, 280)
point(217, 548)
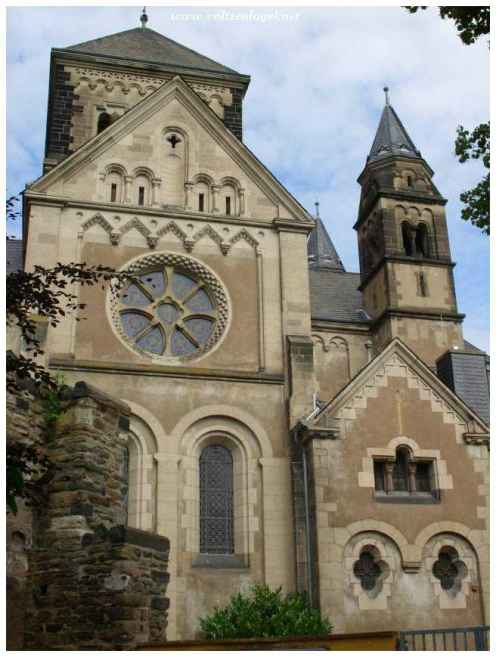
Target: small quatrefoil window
point(449, 570)
point(367, 570)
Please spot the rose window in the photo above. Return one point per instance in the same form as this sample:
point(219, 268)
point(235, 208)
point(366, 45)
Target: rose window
point(174, 310)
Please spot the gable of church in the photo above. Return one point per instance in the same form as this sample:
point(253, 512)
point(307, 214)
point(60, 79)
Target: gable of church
point(173, 147)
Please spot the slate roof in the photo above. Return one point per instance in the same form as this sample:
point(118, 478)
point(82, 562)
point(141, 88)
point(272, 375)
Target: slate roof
point(13, 256)
point(143, 44)
point(321, 250)
point(392, 138)
point(334, 296)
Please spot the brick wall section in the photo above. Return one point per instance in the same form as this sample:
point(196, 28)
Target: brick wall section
point(88, 582)
point(233, 115)
point(58, 143)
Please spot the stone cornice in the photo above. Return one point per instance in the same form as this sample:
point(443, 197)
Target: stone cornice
point(290, 226)
point(476, 438)
point(133, 65)
point(337, 326)
point(418, 313)
point(168, 213)
point(307, 431)
point(65, 362)
point(433, 262)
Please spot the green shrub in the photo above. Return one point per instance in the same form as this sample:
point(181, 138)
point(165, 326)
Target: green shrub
point(264, 613)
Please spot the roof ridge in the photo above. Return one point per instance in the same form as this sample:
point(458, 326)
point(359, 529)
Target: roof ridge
point(151, 46)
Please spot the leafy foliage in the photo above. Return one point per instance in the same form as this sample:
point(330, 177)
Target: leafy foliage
point(471, 22)
point(475, 145)
point(264, 613)
point(48, 294)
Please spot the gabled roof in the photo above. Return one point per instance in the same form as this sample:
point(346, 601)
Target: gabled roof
point(397, 352)
point(334, 296)
point(148, 107)
point(391, 138)
point(143, 44)
point(321, 250)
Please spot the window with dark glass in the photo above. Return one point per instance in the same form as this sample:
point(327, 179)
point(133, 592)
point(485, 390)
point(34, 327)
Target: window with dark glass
point(201, 202)
point(422, 240)
point(216, 501)
point(104, 120)
point(422, 284)
point(405, 476)
point(406, 232)
point(141, 196)
point(125, 476)
point(228, 205)
point(113, 192)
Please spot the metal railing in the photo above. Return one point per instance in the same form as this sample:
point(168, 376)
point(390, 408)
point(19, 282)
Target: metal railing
point(453, 638)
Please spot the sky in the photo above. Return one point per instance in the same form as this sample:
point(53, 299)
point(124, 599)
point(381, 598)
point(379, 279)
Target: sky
point(312, 107)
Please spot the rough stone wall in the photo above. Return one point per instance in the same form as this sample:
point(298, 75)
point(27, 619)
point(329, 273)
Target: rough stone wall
point(58, 138)
point(233, 114)
point(24, 422)
point(87, 582)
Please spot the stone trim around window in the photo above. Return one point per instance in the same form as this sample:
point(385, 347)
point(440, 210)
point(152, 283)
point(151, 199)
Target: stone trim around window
point(150, 321)
point(442, 480)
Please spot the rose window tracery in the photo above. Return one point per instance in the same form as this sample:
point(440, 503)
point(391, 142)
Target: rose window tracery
point(173, 309)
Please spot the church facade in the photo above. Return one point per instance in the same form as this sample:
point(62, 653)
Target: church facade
point(292, 423)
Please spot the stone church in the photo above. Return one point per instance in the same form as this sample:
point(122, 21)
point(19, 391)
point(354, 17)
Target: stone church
point(292, 423)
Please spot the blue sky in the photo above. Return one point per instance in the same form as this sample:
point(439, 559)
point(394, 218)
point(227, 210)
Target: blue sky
point(312, 107)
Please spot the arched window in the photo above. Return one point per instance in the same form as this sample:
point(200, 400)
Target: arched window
point(216, 501)
point(400, 469)
point(125, 476)
point(114, 187)
point(104, 120)
point(422, 240)
point(406, 231)
point(142, 190)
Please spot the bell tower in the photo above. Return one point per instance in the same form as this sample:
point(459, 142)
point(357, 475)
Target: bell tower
point(405, 262)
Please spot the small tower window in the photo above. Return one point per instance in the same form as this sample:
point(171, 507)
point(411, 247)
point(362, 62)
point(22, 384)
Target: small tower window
point(421, 240)
point(113, 192)
point(141, 196)
point(409, 181)
point(406, 232)
point(104, 120)
point(201, 202)
point(422, 283)
point(228, 205)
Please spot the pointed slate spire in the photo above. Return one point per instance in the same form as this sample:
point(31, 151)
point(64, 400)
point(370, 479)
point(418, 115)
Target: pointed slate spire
point(321, 250)
point(391, 137)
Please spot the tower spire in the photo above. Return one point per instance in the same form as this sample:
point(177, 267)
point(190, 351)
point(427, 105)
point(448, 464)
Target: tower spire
point(317, 204)
point(144, 18)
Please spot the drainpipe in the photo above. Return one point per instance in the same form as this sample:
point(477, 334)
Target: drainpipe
point(307, 518)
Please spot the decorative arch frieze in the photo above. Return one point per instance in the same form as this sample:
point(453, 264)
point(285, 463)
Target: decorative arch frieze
point(138, 225)
point(208, 231)
point(243, 234)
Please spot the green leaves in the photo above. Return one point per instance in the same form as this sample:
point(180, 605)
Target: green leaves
point(476, 145)
point(264, 613)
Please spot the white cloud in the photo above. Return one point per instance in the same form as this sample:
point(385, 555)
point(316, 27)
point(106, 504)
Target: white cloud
point(312, 107)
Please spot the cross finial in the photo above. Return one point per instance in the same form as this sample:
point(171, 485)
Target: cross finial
point(144, 18)
point(317, 209)
point(386, 91)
